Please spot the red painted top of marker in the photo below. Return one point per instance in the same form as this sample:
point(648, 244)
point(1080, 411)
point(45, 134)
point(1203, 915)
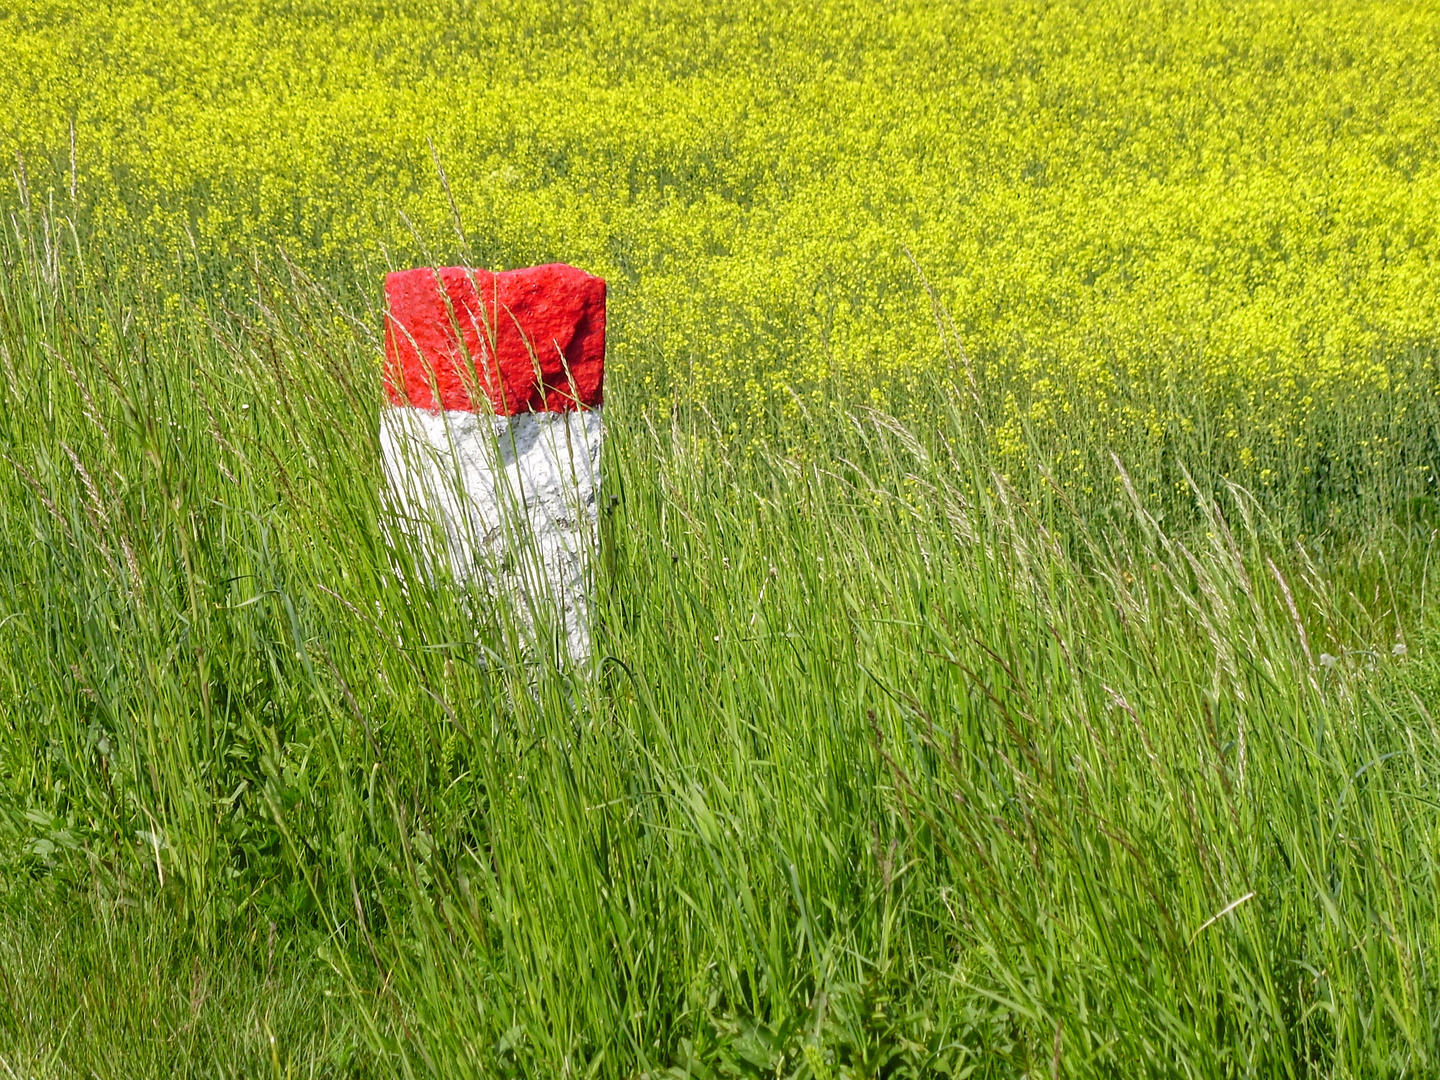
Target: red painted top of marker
point(518, 341)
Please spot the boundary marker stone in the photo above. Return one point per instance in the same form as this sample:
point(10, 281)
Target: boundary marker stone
point(490, 444)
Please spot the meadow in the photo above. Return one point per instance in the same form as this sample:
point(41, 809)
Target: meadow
point(1016, 648)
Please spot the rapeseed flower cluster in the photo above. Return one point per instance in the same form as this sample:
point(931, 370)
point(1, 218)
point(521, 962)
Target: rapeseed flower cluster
point(1124, 207)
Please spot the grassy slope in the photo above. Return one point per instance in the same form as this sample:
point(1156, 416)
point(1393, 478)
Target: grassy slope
point(893, 765)
point(95, 983)
point(903, 758)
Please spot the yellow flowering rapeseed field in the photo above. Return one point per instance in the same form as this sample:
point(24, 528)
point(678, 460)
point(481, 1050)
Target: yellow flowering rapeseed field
point(1101, 194)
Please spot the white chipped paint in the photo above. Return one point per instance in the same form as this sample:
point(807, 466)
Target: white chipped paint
point(511, 501)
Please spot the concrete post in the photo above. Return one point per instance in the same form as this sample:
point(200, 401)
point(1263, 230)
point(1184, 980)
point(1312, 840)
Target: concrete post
point(491, 442)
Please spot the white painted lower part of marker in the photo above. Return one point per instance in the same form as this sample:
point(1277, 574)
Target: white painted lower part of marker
point(510, 502)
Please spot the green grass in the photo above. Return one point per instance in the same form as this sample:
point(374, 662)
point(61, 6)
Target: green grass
point(1015, 584)
point(902, 759)
point(106, 982)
